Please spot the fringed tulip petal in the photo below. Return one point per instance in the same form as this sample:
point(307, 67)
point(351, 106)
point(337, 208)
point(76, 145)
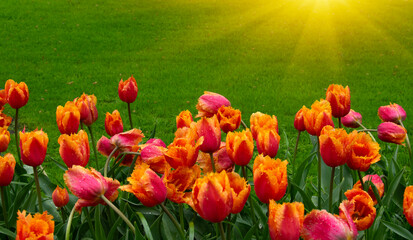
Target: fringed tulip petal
point(285, 220)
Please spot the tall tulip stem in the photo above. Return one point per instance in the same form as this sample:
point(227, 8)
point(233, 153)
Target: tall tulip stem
point(130, 116)
point(243, 124)
point(105, 171)
point(319, 173)
point(39, 194)
point(244, 172)
point(119, 213)
point(174, 221)
point(69, 223)
point(330, 199)
point(364, 128)
point(409, 147)
point(62, 211)
point(221, 230)
point(212, 162)
point(361, 179)
point(339, 122)
point(341, 167)
point(3, 204)
point(295, 151)
point(94, 146)
point(16, 135)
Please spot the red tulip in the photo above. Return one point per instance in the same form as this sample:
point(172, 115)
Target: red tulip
point(240, 147)
point(113, 123)
point(4, 139)
point(7, 165)
point(33, 147)
point(74, 149)
point(17, 94)
point(299, 119)
point(60, 197)
point(339, 98)
point(128, 90)
point(87, 108)
point(285, 220)
point(209, 129)
point(68, 118)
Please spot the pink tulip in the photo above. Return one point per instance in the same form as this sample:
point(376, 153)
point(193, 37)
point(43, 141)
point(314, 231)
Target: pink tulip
point(209, 129)
point(392, 113)
point(209, 103)
point(391, 132)
point(352, 119)
point(121, 140)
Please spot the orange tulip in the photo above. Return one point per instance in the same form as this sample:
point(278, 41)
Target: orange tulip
point(259, 120)
point(229, 118)
point(33, 147)
point(209, 103)
point(178, 182)
point(391, 132)
point(374, 179)
point(184, 119)
point(17, 94)
point(209, 129)
point(270, 178)
point(363, 151)
point(74, 149)
point(408, 204)
point(240, 147)
point(7, 164)
point(392, 113)
point(339, 98)
point(268, 142)
point(240, 191)
point(87, 108)
point(4, 120)
point(299, 119)
point(146, 186)
point(154, 156)
point(3, 99)
point(361, 208)
point(285, 220)
point(212, 197)
point(128, 90)
point(221, 160)
point(317, 117)
point(39, 226)
point(60, 197)
point(333, 146)
point(352, 119)
point(89, 186)
point(4, 139)
point(113, 123)
point(68, 118)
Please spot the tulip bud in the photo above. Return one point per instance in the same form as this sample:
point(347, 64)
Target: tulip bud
point(210, 130)
point(33, 147)
point(184, 119)
point(229, 118)
point(128, 90)
point(392, 113)
point(7, 164)
point(352, 119)
point(4, 139)
point(17, 94)
point(285, 220)
point(408, 204)
point(268, 142)
point(113, 123)
point(68, 118)
point(391, 132)
point(299, 119)
point(74, 149)
point(333, 147)
point(209, 103)
point(240, 147)
point(87, 108)
point(60, 197)
point(339, 98)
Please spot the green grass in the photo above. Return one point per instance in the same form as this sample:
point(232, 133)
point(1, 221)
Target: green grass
point(268, 56)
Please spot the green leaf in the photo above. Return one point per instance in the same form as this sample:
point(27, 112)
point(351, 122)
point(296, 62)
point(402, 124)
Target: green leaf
point(99, 232)
point(114, 227)
point(392, 188)
point(58, 164)
point(145, 226)
point(250, 232)
point(399, 230)
point(45, 184)
point(309, 205)
point(153, 131)
point(191, 231)
point(7, 232)
point(138, 234)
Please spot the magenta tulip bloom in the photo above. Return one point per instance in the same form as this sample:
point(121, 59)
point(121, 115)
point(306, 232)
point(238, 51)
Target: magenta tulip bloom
point(209, 103)
point(391, 132)
point(121, 140)
point(352, 119)
point(392, 113)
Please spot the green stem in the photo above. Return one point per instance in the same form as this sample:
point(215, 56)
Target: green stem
point(69, 223)
point(244, 172)
point(243, 124)
point(81, 125)
point(295, 151)
point(371, 135)
point(221, 230)
point(319, 173)
point(3, 204)
point(119, 213)
point(339, 122)
point(181, 215)
point(174, 221)
point(330, 199)
point(229, 227)
point(39, 195)
point(367, 130)
point(62, 211)
point(341, 179)
point(409, 148)
point(94, 147)
point(16, 135)
point(105, 171)
point(212, 162)
point(130, 117)
point(361, 179)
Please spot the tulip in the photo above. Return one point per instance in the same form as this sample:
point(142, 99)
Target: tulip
point(212, 197)
point(209, 103)
point(259, 120)
point(391, 132)
point(299, 119)
point(87, 108)
point(321, 225)
point(184, 119)
point(60, 197)
point(146, 186)
point(333, 146)
point(270, 178)
point(113, 123)
point(68, 118)
point(89, 186)
point(392, 113)
point(121, 140)
point(378, 183)
point(178, 182)
point(317, 117)
point(3, 99)
point(229, 118)
point(4, 139)
point(240, 191)
point(33, 147)
point(210, 130)
point(7, 164)
point(4, 120)
point(17, 94)
point(268, 142)
point(240, 147)
point(363, 151)
point(39, 226)
point(221, 160)
point(74, 149)
point(285, 220)
point(361, 208)
point(352, 119)
point(128, 90)
point(157, 142)
point(408, 204)
point(339, 98)
point(154, 156)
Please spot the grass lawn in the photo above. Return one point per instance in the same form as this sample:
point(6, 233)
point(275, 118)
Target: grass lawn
point(263, 55)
